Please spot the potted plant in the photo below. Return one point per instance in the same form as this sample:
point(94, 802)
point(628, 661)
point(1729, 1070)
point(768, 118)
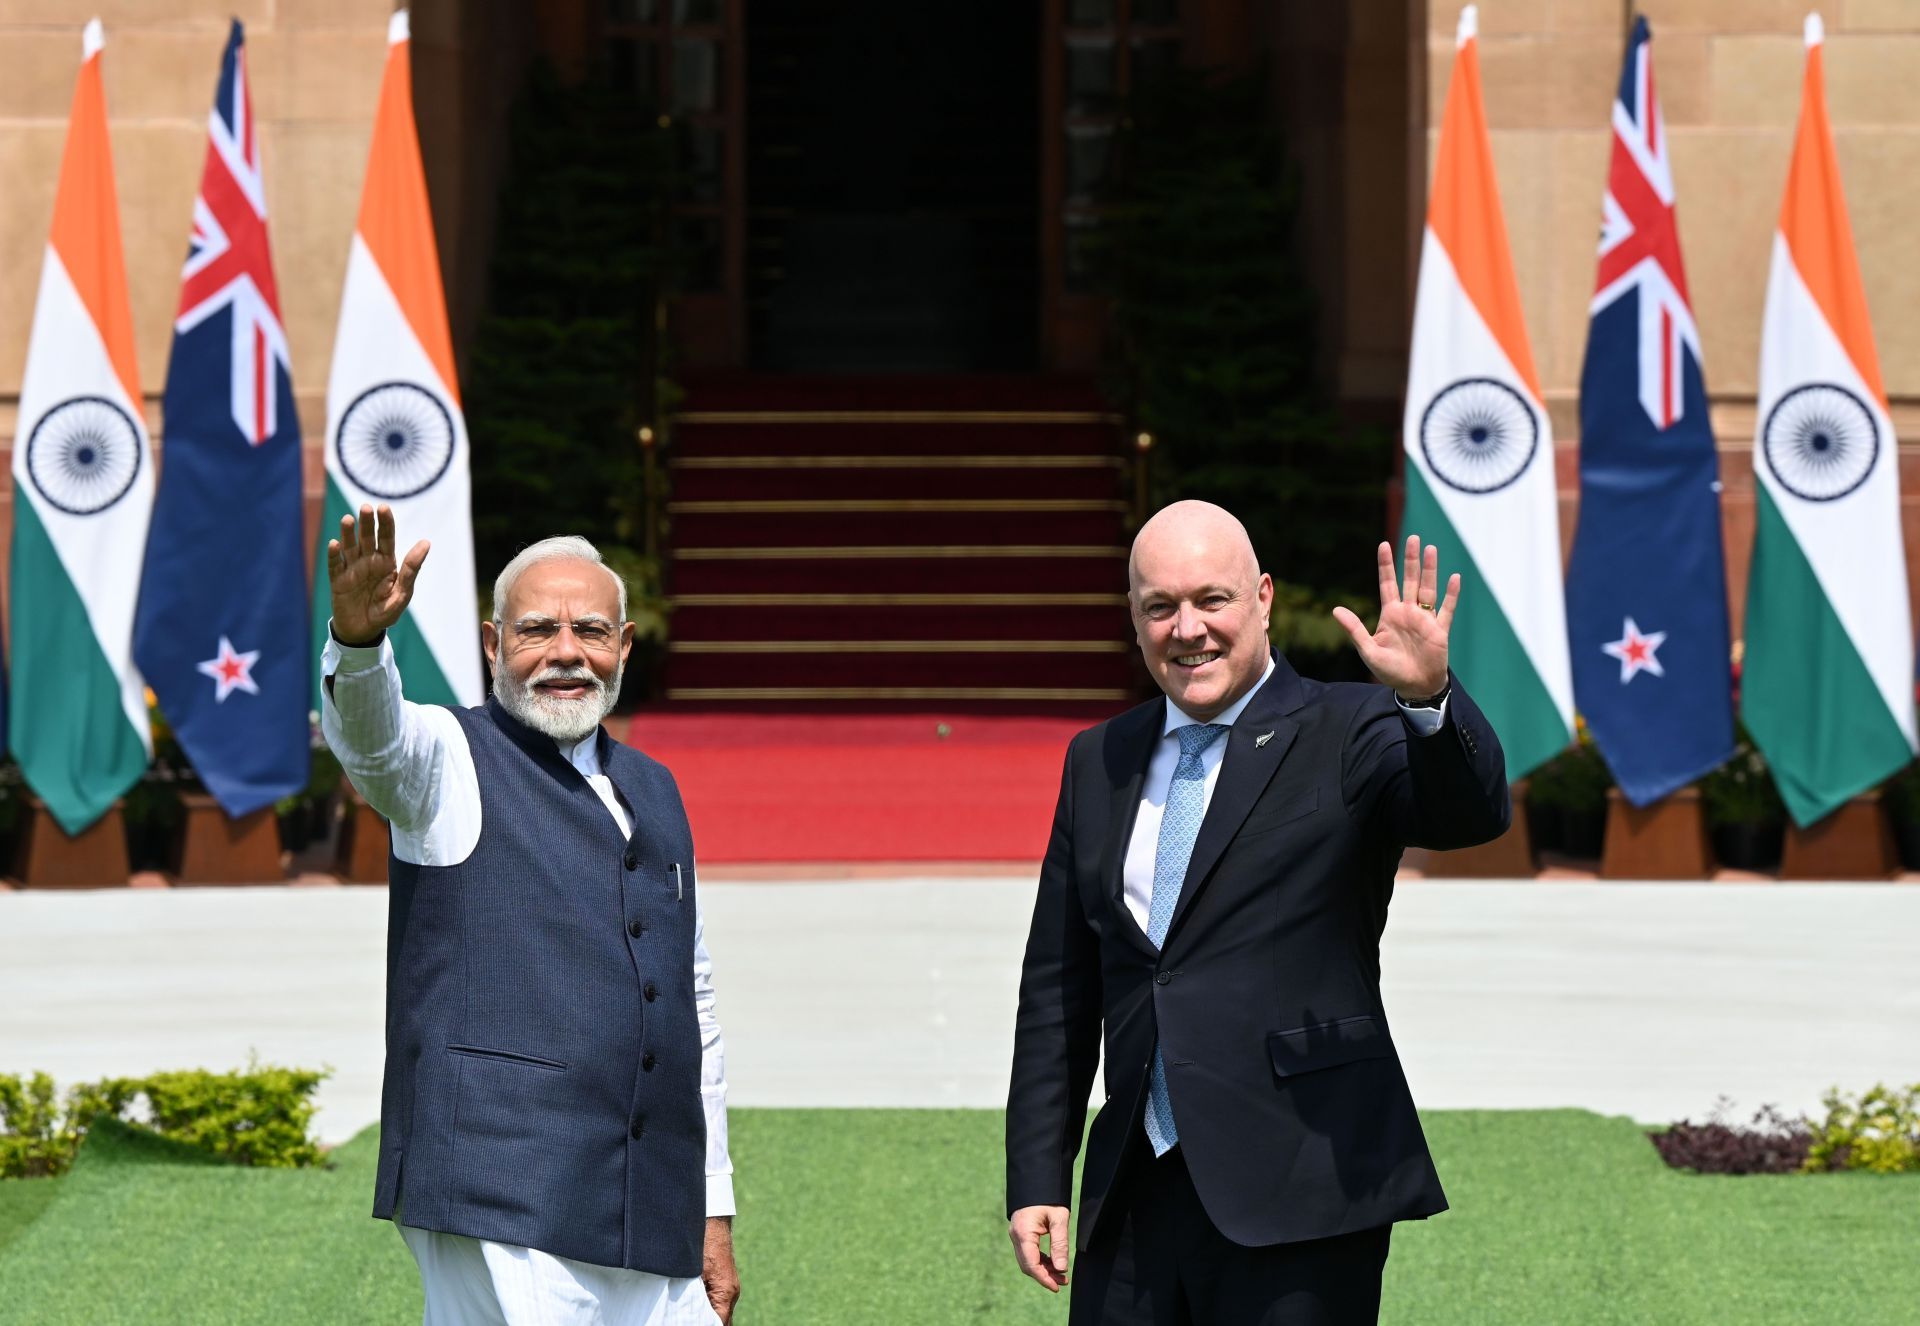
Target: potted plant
point(154, 815)
point(1567, 799)
point(1746, 819)
point(1900, 798)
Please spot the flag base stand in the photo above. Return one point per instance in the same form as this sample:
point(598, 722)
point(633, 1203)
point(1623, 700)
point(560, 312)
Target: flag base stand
point(1510, 856)
point(1667, 840)
point(95, 858)
point(219, 850)
point(1855, 842)
point(360, 855)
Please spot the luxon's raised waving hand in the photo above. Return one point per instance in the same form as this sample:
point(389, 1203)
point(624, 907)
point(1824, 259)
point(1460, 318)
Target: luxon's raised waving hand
point(371, 587)
point(1408, 649)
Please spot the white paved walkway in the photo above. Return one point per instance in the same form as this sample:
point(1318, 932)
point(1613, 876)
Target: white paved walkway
point(1647, 1000)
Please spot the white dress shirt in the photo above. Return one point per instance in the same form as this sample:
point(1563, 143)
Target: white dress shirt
point(413, 765)
point(1144, 845)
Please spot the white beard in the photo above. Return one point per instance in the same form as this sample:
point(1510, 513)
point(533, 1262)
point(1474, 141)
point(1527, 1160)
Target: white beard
point(566, 721)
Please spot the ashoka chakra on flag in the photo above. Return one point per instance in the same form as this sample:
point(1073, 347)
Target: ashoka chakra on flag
point(83, 455)
point(1478, 435)
point(1820, 441)
point(395, 440)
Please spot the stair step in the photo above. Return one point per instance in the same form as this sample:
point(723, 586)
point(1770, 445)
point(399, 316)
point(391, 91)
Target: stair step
point(898, 572)
point(875, 434)
point(796, 617)
point(862, 697)
point(988, 524)
point(873, 666)
point(905, 483)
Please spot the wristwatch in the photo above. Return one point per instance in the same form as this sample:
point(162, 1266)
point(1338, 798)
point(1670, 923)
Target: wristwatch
point(1431, 701)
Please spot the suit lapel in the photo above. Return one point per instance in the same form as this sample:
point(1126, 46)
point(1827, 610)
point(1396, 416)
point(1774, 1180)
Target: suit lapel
point(1251, 760)
point(1129, 751)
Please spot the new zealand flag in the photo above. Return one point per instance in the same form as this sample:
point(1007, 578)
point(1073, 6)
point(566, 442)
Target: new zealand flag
point(221, 633)
point(1647, 585)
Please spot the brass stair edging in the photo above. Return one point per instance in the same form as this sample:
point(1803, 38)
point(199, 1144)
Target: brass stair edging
point(896, 417)
point(898, 647)
point(897, 600)
point(843, 462)
point(826, 506)
point(894, 693)
point(894, 552)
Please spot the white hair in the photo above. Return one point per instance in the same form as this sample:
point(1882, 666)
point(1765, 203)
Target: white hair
point(560, 548)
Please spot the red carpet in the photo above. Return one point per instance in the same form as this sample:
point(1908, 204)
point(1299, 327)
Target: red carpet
point(863, 787)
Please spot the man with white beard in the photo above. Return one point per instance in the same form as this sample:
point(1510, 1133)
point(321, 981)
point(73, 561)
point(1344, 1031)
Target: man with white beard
point(553, 1130)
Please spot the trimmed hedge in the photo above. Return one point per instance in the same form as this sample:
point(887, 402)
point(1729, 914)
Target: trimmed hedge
point(261, 1116)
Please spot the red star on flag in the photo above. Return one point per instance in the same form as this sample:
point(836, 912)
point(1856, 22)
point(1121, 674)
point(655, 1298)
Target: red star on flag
point(231, 671)
point(1636, 652)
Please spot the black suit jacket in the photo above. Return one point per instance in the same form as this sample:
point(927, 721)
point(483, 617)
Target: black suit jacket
point(1293, 1112)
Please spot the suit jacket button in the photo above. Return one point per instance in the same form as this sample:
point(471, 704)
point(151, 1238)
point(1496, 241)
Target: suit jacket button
point(646, 1063)
point(650, 992)
point(639, 1129)
point(636, 929)
point(1164, 978)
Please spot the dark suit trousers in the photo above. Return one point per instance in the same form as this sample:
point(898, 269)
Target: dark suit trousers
point(1161, 1262)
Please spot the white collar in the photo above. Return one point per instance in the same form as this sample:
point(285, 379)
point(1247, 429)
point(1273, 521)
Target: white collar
point(584, 754)
point(1179, 718)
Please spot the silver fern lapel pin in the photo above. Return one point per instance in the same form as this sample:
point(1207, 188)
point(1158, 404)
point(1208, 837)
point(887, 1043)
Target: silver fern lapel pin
point(1262, 740)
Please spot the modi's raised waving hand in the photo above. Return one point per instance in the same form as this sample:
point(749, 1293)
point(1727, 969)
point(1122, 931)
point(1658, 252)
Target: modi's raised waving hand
point(1407, 650)
point(371, 587)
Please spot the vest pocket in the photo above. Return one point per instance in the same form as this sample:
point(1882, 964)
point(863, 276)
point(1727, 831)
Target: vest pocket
point(508, 1056)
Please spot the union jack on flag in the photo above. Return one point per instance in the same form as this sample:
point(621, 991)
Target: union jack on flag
point(1657, 697)
point(228, 261)
point(1640, 240)
point(220, 632)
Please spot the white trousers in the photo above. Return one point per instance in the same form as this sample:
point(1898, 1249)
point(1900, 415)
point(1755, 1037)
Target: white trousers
point(471, 1282)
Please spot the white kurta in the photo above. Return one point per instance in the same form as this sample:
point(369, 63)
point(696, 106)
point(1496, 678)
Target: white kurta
point(412, 764)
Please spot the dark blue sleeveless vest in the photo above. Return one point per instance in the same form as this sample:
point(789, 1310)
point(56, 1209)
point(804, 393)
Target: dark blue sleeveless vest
point(543, 1054)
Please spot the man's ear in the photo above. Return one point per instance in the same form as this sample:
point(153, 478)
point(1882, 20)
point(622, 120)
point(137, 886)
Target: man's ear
point(490, 643)
point(626, 642)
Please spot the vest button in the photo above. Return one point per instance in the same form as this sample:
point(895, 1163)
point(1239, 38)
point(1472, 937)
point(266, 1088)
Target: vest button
point(631, 861)
point(639, 1129)
point(650, 992)
point(646, 1063)
point(636, 929)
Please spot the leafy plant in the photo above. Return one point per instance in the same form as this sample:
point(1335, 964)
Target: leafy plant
point(1576, 779)
point(1769, 1143)
point(261, 1116)
point(1879, 1132)
point(1216, 338)
point(1901, 795)
point(1742, 790)
point(565, 357)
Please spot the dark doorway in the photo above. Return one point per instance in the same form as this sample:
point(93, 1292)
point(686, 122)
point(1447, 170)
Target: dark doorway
point(892, 185)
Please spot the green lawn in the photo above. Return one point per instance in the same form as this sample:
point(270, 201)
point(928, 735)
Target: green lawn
point(893, 1216)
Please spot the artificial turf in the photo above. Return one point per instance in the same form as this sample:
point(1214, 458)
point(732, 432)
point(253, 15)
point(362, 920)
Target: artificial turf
point(893, 1216)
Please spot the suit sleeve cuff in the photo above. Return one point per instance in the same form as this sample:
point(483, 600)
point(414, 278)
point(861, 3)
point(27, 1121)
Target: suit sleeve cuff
point(719, 1195)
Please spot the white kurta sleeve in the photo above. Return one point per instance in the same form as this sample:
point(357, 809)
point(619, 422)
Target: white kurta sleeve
point(713, 1074)
point(397, 754)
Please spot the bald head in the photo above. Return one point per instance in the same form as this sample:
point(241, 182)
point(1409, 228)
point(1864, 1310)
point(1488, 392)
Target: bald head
point(1192, 532)
point(1200, 606)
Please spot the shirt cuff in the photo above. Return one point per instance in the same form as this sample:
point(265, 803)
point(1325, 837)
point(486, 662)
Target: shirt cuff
point(353, 658)
point(1424, 721)
point(719, 1195)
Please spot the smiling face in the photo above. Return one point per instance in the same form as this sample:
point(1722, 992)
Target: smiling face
point(560, 648)
point(1200, 607)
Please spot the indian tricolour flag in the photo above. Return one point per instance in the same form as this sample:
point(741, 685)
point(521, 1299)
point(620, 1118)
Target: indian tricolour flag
point(1479, 462)
point(395, 434)
point(1827, 684)
point(83, 491)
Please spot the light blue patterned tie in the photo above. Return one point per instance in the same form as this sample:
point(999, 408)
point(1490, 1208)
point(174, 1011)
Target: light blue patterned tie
point(1179, 826)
